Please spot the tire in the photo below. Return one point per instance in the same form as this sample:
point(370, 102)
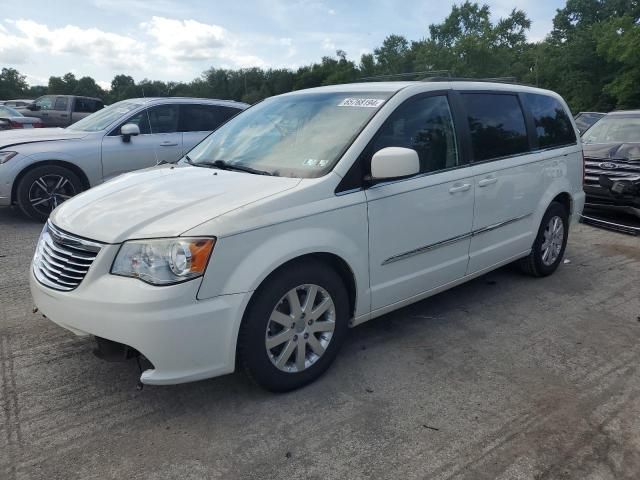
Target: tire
point(44, 188)
point(275, 366)
point(539, 263)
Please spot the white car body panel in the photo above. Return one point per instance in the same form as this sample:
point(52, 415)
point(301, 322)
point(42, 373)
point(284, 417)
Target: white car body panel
point(162, 201)
point(401, 241)
point(429, 211)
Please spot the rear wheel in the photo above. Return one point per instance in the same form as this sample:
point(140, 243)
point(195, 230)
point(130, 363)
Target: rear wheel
point(44, 188)
point(294, 327)
point(550, 243)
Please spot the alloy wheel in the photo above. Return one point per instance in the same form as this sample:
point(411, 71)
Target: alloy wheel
point(48, 191)
point(553, 240)
point(300, 328)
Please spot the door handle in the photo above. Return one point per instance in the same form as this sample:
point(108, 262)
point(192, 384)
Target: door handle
point(487, 181)
point(460, 188)
point(168, 144)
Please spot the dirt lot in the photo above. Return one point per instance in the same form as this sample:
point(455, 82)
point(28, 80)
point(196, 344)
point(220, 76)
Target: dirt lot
point(504, 377)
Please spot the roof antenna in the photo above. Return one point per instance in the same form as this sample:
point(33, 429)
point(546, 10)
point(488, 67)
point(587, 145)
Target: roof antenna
point(155, 153)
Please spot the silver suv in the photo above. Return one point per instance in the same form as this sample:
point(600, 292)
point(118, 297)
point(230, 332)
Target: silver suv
point(41, 168)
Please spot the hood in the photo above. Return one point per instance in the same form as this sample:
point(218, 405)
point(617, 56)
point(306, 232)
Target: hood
point(162, 202)
point(18, 136)
point(612, 151)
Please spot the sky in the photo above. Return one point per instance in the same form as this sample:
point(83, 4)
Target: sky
point(178, 40)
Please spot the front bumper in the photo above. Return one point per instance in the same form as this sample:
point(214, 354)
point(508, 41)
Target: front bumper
point(184, 338)
point(602, 199)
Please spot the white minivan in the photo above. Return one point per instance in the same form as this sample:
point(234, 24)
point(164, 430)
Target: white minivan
point(306, 214)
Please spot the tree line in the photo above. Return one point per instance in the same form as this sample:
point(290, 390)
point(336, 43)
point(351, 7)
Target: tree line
point(591, 57)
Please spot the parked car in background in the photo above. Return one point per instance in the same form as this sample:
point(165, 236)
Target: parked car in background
point(10, 118)
point(308, 213)
point(40, 169)
point(585, 120)
point(612, 162)
point(17, 103)
point(61, 110)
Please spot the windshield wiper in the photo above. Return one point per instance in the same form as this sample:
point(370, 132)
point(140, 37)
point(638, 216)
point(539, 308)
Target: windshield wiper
point(222, 165)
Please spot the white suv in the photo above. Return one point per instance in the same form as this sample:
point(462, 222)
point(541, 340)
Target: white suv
point(308, 213)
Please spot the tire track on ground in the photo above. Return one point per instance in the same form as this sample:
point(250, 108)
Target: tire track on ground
point(10, 405)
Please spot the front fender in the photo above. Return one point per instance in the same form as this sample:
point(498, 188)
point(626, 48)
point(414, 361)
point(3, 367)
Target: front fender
point(240, 263)
point(86, 157)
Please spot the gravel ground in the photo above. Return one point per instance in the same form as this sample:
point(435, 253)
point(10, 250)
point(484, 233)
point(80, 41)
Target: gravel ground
point(504, 377)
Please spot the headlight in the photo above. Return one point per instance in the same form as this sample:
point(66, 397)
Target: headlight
point(163, 261)
point(5, 156)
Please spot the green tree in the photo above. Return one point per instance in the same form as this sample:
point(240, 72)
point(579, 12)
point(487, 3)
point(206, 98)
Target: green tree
point(12, 84)
point(618, 41)
point(394, 55)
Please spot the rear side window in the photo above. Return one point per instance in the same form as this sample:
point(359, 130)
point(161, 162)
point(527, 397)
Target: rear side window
point(84, 105)
point(199, 118)
point(61, 103)
point(424, 125)
point(496, 124)
point(553, 127)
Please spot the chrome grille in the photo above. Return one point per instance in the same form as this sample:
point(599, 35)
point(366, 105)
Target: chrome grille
point(62, 260)
point(614, 169)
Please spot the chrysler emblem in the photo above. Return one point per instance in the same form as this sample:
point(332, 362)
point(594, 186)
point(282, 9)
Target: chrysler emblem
point(608, 166)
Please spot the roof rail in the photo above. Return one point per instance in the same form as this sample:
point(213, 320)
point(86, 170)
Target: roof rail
point(400, 76)
point(436, 76)
point(469, 79)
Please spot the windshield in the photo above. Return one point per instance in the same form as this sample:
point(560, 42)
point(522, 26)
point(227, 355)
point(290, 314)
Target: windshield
point(614, 129)
point(103, 118)
point(301, 135)
point(585, 120)
point(9, 112)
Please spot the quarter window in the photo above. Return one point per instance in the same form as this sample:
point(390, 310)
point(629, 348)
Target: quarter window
point(199, 118)
point(553, 127)
point(496, 124)
point(426, 126)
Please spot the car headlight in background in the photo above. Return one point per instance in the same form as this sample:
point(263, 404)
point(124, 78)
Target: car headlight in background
point(163, 261)
point(5, 156)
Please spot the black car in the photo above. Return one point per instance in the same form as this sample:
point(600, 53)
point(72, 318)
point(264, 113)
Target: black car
point(612, 162)
point(585, 120)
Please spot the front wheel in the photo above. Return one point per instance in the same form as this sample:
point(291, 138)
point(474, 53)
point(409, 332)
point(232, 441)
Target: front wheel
point(550, 243)
point(44, 188)
point(294, 327)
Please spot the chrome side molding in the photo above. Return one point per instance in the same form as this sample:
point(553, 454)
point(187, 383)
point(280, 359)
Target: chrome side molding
point(449, 241)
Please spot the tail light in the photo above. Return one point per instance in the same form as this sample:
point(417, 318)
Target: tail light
point(15, 124)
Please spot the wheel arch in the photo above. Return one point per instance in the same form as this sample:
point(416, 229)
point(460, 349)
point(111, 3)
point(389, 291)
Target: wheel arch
point(60, 163)
point(565, 199)
point(336, 262)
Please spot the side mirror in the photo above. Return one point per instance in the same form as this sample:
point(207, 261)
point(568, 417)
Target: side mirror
point(33, 107)
point(394, 162)
point(129, 130)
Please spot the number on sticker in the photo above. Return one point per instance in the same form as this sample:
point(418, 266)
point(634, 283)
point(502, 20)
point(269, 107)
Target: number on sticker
point(361, 102)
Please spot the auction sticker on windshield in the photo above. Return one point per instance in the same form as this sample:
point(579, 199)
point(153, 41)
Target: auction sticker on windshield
point(361, 102)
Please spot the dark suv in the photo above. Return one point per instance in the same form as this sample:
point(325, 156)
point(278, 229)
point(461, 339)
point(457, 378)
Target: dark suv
point(612, 162)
